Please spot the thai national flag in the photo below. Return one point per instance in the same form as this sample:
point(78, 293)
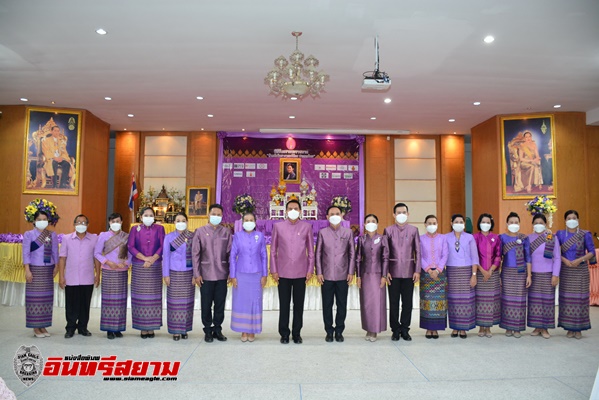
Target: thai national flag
point(134, 195)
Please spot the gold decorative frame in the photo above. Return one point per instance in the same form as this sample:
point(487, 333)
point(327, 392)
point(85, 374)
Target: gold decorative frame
point(197, 210)
point(296, 163)
point(528, 171)
point(38, 170)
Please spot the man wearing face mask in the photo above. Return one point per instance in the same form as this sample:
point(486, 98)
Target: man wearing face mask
point(211, 247)
point(335, 266)
point(291, 265)
point(78, 272)
point(404, 270)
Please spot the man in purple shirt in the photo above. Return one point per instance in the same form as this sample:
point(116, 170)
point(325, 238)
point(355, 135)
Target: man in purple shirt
point(78, 272)
point(335, 266)
point(291, 265)
point(404, 270)
point(210, 251)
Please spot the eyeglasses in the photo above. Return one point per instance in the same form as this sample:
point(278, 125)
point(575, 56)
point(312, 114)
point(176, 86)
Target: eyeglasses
point(81, 223)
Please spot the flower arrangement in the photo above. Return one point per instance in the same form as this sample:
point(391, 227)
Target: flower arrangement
point(343, 202)
point(278, 199)
point(244, 203)
point(41, 205)
point(541, 205)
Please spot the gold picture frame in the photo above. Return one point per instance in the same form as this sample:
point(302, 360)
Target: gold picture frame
point(52, 151)
point(198, 201)
point(528, 156)
point(290, 170)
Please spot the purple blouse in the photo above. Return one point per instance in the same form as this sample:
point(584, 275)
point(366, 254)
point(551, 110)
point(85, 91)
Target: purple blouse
point(509, 259)
point(542, 264)
point(563, 237)
point(174, 260)
point(248, 254)
point(146, 240)
point(112, 256)
point(37, 257)
point(489, 250)
point(466, 254)
point(434, 252)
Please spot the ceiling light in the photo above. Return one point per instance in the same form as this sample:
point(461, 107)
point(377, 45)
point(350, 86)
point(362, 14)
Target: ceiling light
point(101, 31)
point(24, 99)
point(53, 102)
point(130, 115)
point(294, 78)
point(108, 98)
point(293, 98)
point(387, 100)
point(489, 39)
point(202, 129)
point(476, 103)
point(557, 106)
point(200, 98)
point(243, 130)
point(210, 115)
point(162, 128)
point(454, 133)
point(125, 129)
point(291, 116)
point(373, 118)
point(451, 120)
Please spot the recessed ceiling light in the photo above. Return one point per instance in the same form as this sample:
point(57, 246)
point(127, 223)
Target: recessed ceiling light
point(387, 100)
point(451, 120)
point(53, 102)
point(557, 106)
point(210, 115)
point(454, 133)
point(24, 99)
point(162, 128)
point(293, 98)
point(130, 115)
point(108, 98)
point(202, 129)
point(125, 129)
point(291, 116)
point(200, 98)
point(101, 31)
point(243, 130)
point(489, 39)
point(476, 103)
point(373, 118)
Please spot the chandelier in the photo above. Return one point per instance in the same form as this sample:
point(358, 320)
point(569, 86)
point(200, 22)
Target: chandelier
point(296, 79)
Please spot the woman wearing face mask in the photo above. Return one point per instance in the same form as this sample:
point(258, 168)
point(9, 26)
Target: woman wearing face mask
point(516, 271)
point(462, 264)
point(177, 272)
point(576, 249)
point(145, 244)
point(488, 286)
point(248, 272)
point(545, 256)
point(40, 258)
point(433, 280)
point(372, 264)
point(112, 252)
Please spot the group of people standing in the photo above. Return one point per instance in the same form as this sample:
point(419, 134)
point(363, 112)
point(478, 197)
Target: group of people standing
point(473, 280)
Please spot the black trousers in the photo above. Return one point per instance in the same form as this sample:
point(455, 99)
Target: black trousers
point(213, 292)
point(287, 289)
point(400, 288)
point(337, 291)
point(77, 301)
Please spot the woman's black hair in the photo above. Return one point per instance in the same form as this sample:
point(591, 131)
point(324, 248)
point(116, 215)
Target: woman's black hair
point(430, 216)
point(539, 215)
point(371, 215)
point(454, 216)
point(571, 212)
point(485, 215)
point(511, 215)
point(143, 210)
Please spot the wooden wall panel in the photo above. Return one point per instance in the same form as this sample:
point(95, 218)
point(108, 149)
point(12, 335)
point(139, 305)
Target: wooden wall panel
point(379, 179)
point(126, 161)
point(202, 161)
point(592, 182)
point(453, 179)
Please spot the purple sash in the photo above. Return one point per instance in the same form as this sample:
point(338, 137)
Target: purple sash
point(184, 237)
point(549, 241)
point(578, 240)
point(519, 247)
point(115, 241)
point(44, 239)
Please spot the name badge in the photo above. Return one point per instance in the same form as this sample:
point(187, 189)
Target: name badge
point(377, 240)
point(257, 238)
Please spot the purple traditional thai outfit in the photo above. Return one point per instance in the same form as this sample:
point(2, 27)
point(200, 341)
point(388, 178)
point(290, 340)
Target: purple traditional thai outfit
point(39, 294)
point(248, 264)
point(180, 293)
point(146, 283)
point(574, 285)
point(541, 294)
point(433, 298)
point(513, 281)
point(461, 299)
point(372, 264)
point(112, 247)
point(488, 294)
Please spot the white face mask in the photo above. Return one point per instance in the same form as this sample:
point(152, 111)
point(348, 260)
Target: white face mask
point(81, 228)
point(572, 223)
point(401, 218)
point(293, 214)
point(148, 221)
point(215, 219)
point(181, 226)
point(458, 227)
point(115, 227)
point(539, 228)
point(41, 224)
point(431, 229)
point(513, 228)
point(485, 227)
point(371, 227)
point(335, 219)
point(249, 225)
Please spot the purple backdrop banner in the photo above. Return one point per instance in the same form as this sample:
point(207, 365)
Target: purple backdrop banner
point(249, 164)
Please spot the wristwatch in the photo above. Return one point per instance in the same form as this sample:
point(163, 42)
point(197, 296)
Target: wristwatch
point(474, 274)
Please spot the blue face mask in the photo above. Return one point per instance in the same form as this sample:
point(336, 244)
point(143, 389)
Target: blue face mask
point(215, 219)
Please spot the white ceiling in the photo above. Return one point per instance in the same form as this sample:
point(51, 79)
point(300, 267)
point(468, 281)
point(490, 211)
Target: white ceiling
point(159, 55)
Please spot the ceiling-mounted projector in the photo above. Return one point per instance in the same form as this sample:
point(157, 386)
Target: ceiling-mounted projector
point(376, 80)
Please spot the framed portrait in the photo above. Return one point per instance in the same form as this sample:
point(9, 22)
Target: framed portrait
point(528, 157)
point(198, 198)
point(290, 170)
point(52, 148)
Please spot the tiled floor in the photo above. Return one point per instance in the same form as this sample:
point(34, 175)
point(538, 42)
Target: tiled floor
point(475, 368)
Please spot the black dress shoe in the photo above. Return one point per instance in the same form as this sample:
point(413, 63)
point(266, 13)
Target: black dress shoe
point(176, 337)
point(208, 338)
point(85, 332)
point(339, 338)
point(151, 335)
point(329, 337)
point(184, 336)
point(110, 335)
point(143, 335)
point(406, 336)
point(463, 335)
point(118, 334)
point(395, 336)
point(68, 335)
point(454, 335)
point(284, 339)
point(219, 336)
point(436, 336)
point(428, 336)
point(297, 340)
